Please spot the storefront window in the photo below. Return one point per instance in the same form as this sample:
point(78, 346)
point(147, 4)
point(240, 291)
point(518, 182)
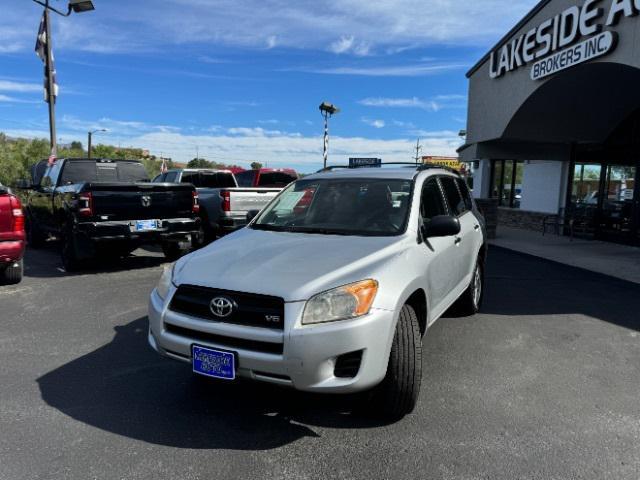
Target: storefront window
point(506, 182)
point(586, 184)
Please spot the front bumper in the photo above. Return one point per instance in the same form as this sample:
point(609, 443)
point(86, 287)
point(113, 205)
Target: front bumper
point(308, 355)
point(11, 251)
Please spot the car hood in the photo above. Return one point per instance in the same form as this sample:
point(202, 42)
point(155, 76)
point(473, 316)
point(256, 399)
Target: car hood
point(293, 266)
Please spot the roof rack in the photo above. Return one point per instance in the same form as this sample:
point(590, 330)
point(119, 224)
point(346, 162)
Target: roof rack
point(418, 166)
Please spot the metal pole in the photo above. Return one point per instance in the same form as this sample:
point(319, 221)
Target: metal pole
point(326, 138)
point(50, 84)
point(89, 145)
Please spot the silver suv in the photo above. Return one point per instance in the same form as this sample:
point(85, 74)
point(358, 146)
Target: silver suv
point(332, 287)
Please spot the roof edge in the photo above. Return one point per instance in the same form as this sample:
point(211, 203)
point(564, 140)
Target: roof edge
point(510, 33)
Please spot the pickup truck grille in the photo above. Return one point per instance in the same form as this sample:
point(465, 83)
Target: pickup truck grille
point(247, 308)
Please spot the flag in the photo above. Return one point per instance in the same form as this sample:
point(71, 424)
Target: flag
point(164, 168)
point(41, 51)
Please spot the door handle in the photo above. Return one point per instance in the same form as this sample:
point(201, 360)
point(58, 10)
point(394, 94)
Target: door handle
point(476, 227)
point(458, 241)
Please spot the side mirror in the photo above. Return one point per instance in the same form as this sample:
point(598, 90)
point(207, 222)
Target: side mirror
point(251, 214)
point(441, 226)
point(23, 184)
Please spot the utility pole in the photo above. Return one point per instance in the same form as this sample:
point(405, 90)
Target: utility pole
point(51, 97)
point(197, 153)
point(90, 134)
point(418, 148)
point(327, 110)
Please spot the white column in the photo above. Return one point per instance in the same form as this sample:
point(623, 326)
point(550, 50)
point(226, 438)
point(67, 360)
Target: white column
point(482, 179)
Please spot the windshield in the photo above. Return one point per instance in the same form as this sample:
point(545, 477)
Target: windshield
point(367, 207)
point(101, 171)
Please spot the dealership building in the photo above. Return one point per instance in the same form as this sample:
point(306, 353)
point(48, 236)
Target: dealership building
point(553, 130)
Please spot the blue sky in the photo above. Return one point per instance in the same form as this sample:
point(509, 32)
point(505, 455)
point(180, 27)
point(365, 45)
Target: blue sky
point(241, 80)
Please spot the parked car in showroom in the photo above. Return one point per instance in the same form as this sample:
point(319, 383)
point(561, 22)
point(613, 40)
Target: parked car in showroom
point(332, 287)
point(12, 237)
point(103, 207)
point(223, 206)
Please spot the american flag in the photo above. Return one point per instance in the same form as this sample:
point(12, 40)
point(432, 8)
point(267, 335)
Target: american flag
point(41, 51)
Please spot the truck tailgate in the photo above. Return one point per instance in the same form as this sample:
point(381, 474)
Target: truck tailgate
point(140, 201)
point(245, 199)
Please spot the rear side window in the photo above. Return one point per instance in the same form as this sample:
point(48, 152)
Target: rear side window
point(466, 195)
point(90, 171)
point(456, 204)
point(171, 177)
point(432, 203)
point(275, 179)
point(245, 179)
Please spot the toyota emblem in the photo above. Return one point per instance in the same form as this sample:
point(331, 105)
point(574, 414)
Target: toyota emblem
point(222, 307)
point(146, 200)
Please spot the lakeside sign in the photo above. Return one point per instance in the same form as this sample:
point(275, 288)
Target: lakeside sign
point(549, 45)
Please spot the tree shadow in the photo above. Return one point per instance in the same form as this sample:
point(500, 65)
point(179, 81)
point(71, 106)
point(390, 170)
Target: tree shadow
point(126, 388)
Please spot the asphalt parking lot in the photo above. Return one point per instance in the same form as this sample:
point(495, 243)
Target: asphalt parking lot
point(545, 383)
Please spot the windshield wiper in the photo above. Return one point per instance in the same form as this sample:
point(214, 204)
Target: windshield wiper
point(269, 228)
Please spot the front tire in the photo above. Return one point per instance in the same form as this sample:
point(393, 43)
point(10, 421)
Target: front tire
point(397, 395)
point(69, 252)
point(35, 238)
point(12, 275)
point(172, 251)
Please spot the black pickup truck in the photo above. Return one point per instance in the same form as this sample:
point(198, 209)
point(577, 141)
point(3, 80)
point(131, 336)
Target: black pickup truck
point(107, 208)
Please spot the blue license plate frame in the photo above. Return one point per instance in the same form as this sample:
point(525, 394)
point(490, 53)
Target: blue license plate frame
point(213, 362)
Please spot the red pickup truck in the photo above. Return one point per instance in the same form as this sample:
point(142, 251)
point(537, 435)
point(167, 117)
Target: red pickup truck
point(266, 177)
point(12, 237)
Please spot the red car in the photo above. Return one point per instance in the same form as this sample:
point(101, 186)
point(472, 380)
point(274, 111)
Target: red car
point(266, 177)
point(12, 237)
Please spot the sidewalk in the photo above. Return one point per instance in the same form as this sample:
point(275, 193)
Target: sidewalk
point(618, 261)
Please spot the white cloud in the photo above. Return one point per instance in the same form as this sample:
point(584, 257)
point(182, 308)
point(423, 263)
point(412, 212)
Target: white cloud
point(413, 102)
point(384, 25)
point(11, 86)
point(8, 99)
point(301, 152)
point(348, 44)
point(390, 71)
point(373, 123)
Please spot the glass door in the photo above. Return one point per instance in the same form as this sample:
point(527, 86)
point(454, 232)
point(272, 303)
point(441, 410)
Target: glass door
point(617, 219)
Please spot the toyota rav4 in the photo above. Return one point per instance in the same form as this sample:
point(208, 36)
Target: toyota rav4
point(332, 287)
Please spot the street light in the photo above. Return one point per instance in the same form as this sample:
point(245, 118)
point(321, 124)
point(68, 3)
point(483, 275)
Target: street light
point(327, 110)
point(77, 6)
point(89, 142)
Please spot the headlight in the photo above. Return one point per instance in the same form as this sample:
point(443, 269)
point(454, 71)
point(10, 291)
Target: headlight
point(164, 284)
point(342, 303)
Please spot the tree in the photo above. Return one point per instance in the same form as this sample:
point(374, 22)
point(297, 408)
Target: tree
point(256, 165)
point(200, 163)
point(76, 146)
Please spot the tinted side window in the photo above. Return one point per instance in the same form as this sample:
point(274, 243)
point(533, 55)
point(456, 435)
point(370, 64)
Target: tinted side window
point(431, 203)
point(466, 195)
point(216, 180)
point(453, 196)
point(51, 175)
point(171, 177)
point(159, 178)
point(245, 179)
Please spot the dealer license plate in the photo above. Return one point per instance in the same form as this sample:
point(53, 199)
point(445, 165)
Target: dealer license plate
point(146, 225)
point(213, 363)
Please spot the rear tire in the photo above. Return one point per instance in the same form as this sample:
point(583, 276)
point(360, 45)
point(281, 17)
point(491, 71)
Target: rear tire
point(69, 252)
point(12, 275)
point(397, 395)
point(470, 301)
point(172, 251)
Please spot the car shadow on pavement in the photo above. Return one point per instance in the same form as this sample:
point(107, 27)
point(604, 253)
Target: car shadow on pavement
point(520, 284)
point(46, 263)
point(126, 388)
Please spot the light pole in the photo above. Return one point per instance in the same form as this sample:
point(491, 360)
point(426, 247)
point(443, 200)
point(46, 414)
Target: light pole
point(327, 110)
point(77, 6)
point(90, 134)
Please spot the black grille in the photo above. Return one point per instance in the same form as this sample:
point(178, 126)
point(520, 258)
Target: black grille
point(348, 365)
point(227, 342)
point(249, 309)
